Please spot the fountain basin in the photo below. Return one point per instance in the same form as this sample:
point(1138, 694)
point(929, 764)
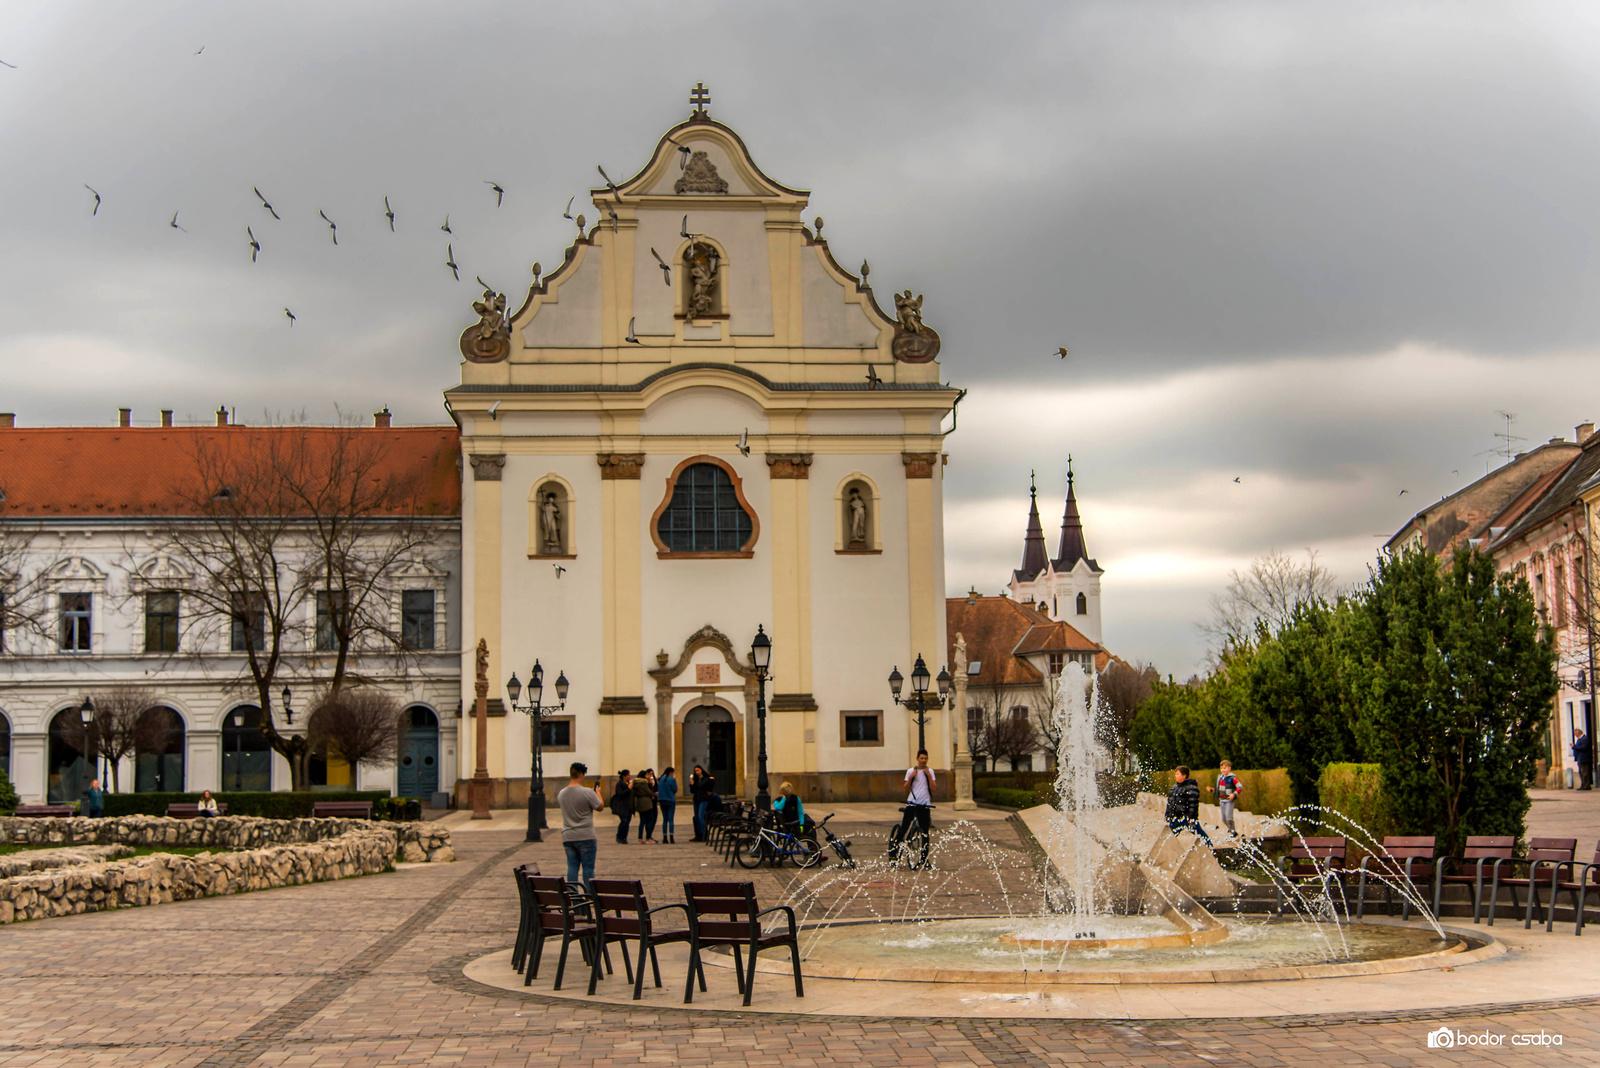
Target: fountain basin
point(976, 951)
point(1171, 930)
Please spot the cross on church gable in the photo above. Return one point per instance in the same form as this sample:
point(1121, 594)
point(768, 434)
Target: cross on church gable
point(700, 97)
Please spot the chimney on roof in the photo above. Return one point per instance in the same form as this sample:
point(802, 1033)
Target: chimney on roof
point(222, 416)
point(383, 418)
point(124, 416)
point(166, 417)
point(1558, 441)
point(1583, 432)
point(8, 420)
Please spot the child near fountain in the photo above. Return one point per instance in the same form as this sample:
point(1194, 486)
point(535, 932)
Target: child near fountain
point(1228, 789)
point(1183, 805)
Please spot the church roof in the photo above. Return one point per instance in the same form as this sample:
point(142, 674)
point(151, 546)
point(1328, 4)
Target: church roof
point(1034, 556)
point(1001, 632)
point(1072, 547)
point(107, 472)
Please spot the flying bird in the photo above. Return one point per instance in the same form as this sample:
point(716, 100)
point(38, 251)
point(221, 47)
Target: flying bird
point(609, 183)
point(3, 63)
point(567, 214)
point(631, 339)
point(450, 260)
point(446, 226)
point(665, 269)
point(684, 231)
point(499, 194)
point(174, 223)
point(1063, 351)
point(331, 225)
point(389, 213)
point(96, 210)
point(1402, 493)
point(683, 154)
point(744, 442)
point(487, 288)
point(872, 377)
point(290, 314)
point(263, 200)
point(1238, 480)
point(202, 49)
point(613, 215)
point(255, 246)
point(559, 570)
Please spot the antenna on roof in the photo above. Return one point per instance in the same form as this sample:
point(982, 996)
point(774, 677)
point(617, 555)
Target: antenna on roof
point(1507, 436)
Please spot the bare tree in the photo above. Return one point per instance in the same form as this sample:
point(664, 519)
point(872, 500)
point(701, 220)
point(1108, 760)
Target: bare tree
point(27, 610)
point(1012, 735)
point(1123, 688)
point(120, 727)
point(978, 738)
point(359, 724)
point(1266, 594)
point(291, 535)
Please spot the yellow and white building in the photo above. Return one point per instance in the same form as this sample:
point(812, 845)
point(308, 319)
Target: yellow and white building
point(696, 426)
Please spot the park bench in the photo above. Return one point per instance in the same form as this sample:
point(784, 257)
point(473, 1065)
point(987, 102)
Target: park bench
point(1312, 859)
point(1481, 851)
point(1404, 859)
point(1545, 856)
point(625, 913)
point(741, 930)
point(191, 810)
point(347, 810)
point(561, 908)
point(39, 811)
point(1588, 878)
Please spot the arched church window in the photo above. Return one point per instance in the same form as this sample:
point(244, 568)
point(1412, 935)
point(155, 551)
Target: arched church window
point(704, 512)
point(1083, 605)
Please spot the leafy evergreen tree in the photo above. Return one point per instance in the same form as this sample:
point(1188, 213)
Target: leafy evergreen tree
point(1300, 682)
point(1454, 683)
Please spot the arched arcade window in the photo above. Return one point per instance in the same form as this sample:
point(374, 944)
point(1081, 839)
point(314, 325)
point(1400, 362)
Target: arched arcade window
point(158, 760)
point(704, 512)
point(69, 772)
point(246, 757)
point(5, 744)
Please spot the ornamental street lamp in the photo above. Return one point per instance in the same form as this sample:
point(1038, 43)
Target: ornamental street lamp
point(761, 656)
point(288, 713)
point(534, 711)
point(919, 702)
point(86, 713)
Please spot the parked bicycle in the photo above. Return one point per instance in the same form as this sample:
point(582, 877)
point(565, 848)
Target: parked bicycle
point(911, 848)
point(840, 846)
point(774, 847)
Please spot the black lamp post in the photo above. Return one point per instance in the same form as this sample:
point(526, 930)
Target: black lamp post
point(917, 703)
point(534, 710)
point(288, 713)
point(761, 656)
point(90, 758)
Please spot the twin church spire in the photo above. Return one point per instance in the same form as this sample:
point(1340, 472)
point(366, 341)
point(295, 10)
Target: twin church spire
point(1069, 549)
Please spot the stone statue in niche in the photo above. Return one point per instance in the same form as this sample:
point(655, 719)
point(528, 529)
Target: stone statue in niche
point(703, 265)
point(489, 340)
point(858, 519)
point(914, 342)
point(550, 524)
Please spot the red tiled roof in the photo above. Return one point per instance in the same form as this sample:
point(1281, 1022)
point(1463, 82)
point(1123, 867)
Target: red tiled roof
point(999, 630)
point(151, 471)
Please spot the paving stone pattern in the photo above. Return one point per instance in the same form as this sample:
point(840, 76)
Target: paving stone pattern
point(366, 971)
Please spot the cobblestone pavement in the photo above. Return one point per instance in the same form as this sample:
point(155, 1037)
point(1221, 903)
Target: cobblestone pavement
point(367, 972)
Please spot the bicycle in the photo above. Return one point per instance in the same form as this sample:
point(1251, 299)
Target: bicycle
point(903, 847)
point(840, 846)
point(775, 847)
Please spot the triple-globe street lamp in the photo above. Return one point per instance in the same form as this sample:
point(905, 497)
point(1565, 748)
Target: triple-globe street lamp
point(535, 711)
point(919, 702)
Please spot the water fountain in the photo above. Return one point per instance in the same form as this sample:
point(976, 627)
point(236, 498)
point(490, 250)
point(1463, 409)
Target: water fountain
point(1115, 897)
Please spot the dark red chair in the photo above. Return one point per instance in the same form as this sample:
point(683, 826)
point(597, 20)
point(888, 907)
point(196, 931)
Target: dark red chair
point(1545, 856)
point(1405, 859)
point(625, 914)
point(1588, 879)
point(1481, 851)
point(741, 930)
point(563, 910)
point(1312, 858)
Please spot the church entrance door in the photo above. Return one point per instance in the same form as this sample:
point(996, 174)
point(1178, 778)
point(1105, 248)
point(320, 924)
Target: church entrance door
point(708, 740)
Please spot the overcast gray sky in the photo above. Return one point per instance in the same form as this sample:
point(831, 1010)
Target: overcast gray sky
point(1315, 247)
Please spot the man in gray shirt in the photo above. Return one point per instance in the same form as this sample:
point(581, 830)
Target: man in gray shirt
point(578, 805)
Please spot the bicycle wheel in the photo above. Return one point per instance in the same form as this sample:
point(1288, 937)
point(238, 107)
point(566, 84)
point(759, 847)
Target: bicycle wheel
point(842, 848)
point(747, 851)
point(809, 856)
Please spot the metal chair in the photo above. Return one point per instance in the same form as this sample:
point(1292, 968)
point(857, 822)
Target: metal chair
point(1480, 853)
point(741, 930)
point(1588, 879)
point(1408, 858)
point(625, 913)
point(563, 909)
point(1545, 854)
point(1312, 858)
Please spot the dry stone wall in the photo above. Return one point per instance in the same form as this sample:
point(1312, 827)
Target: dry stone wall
point(262, 854)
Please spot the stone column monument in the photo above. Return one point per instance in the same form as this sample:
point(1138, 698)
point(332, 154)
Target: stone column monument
point(958, 716)
point(481, 791)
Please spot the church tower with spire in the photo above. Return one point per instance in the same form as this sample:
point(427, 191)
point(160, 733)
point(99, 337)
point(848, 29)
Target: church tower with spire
point(1066, 588)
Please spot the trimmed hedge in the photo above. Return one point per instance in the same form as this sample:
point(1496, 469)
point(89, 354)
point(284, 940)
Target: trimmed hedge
point(1266, 793)
point(1356, 791)
point(274, 804)
point(1013, 798)
point(8, 796)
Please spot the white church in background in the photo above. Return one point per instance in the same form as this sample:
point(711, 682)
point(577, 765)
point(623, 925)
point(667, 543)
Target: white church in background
point(1067, 586)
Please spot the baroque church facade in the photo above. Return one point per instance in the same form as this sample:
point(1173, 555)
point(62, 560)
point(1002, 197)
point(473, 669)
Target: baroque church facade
point(697, 428)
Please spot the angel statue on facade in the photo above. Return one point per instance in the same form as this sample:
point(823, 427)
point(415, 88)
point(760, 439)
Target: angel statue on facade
point(909, 309)
point(702, 279)
point(491, 314)
point(858, 518)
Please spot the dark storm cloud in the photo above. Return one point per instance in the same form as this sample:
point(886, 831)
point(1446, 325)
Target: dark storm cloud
point(1291, 205)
